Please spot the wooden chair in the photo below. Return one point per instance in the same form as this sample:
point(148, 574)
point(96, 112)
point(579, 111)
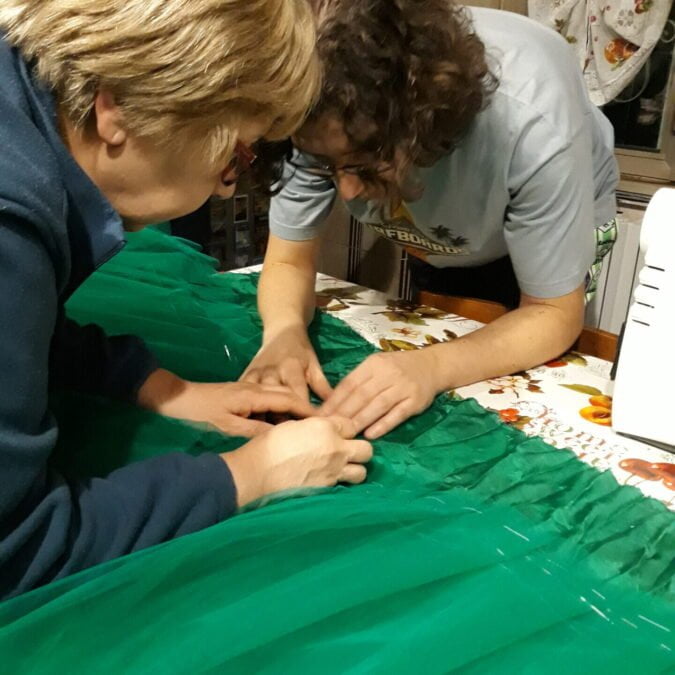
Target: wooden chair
point(592, 341)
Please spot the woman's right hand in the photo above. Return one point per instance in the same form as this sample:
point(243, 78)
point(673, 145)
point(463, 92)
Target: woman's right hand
point(316, 452)
point(289, 359)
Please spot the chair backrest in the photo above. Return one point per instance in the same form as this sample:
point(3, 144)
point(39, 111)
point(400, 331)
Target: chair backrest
point(592, 341)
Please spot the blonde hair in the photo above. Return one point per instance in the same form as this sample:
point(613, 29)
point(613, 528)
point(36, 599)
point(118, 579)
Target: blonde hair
point(176, 68)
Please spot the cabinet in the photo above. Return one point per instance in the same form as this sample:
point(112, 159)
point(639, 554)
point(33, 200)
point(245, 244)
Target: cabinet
point(233, 231)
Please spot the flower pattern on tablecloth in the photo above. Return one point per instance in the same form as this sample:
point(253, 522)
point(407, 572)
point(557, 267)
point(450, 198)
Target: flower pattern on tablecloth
point(515, 385)
point(407, 312)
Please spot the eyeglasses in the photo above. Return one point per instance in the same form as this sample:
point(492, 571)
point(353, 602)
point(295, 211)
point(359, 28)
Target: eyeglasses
point(363, 172)
point(242, 159)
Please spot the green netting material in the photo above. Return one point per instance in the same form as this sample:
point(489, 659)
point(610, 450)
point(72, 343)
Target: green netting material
point(471, 548)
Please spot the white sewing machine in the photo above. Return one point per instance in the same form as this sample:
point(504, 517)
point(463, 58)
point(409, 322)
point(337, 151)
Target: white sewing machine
point(644, 389)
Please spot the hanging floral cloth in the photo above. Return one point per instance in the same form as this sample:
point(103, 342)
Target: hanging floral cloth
point(613, 38)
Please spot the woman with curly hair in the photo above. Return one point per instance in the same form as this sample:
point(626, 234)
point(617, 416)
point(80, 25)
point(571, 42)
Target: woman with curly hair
point(119, 113)
point(466, 136)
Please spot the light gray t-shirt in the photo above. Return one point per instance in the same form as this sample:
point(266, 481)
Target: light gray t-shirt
point(532, 177)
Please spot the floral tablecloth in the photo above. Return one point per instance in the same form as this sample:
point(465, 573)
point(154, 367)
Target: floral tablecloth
point(566, 402)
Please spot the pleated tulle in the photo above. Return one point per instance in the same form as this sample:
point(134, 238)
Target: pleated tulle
point(471, 548)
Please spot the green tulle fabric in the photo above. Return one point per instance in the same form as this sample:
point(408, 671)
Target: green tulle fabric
point(470, 549)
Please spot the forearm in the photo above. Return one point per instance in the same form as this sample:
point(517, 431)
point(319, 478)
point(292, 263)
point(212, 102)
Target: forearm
point(86, 359)
point(521, 339)
point(286, 296)
point(137, 506)
point(163, 392)
point(286, 301)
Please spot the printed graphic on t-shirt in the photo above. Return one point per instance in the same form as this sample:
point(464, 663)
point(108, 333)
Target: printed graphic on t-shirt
point(402, 229)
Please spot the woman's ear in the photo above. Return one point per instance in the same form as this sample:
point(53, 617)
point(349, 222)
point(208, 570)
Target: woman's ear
point(109, 122)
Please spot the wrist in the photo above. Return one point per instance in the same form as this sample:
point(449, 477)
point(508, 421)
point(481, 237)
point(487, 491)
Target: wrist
point(440, 371)
point(159, 391)
point(245, 475)
point(295, 329)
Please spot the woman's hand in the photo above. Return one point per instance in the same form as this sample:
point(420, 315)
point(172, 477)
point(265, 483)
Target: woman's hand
point(228, 406)
point(317, 452)
point(289, 359)
point(385, 390)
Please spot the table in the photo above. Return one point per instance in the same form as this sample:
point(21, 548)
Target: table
point(566, 402)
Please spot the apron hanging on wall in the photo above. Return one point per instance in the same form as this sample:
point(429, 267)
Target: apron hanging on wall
point(612, 38)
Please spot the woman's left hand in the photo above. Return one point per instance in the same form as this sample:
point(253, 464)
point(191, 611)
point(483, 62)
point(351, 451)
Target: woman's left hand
point(229, 406)
point(385, 390)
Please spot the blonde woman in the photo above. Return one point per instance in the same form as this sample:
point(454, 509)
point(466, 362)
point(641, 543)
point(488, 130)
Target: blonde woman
point(113, 114)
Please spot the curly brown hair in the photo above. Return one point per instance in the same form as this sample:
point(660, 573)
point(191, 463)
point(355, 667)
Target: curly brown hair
point(406, 75)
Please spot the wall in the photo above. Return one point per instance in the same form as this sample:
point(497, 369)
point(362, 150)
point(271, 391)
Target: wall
point(620, 271)
point(335, 252)
point(350, 250)
point(518, 6)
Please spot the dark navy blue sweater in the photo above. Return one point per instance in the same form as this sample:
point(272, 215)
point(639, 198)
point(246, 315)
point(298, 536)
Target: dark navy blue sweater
point(56, 228)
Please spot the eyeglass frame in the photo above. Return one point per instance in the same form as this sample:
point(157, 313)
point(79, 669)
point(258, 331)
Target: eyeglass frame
point(329, 171)
point(242, 159)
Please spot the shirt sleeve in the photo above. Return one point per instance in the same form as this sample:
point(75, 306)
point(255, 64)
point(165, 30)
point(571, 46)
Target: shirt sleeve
point(50, 524)
point(84, 358)
point(303, 204)
point(549, 228)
